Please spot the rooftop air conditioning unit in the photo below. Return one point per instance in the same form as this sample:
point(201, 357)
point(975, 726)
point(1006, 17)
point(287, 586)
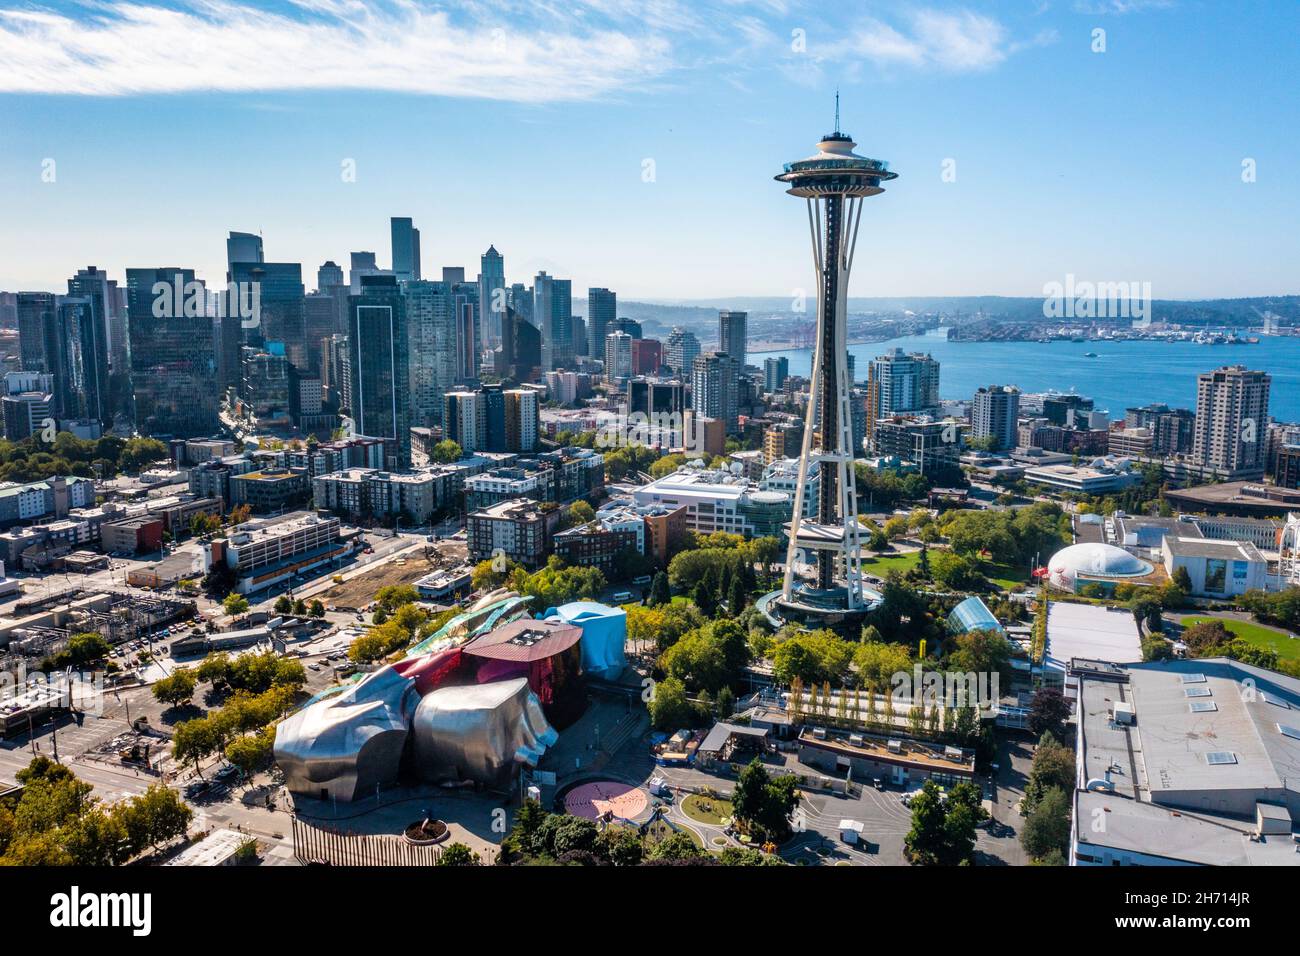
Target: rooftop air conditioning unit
point(855, 739)
point(819, 733)
point(1122, 713)
point(895, 746)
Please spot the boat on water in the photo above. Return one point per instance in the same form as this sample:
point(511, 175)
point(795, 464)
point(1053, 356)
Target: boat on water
point(1089, 354)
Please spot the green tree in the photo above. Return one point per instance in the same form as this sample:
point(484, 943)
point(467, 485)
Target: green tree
point(458, 854)
point(669, 708)
point(943, 831)
point(660, 593)
point(177, 688)
point(1048, 828)
point(235, 604)
point(446, 451)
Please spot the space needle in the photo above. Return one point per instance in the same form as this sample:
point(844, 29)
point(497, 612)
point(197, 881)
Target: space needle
point(833, 182)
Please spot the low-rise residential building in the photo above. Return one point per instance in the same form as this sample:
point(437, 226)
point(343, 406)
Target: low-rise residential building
point(368, 493)
point(270, 490)
point(519, 530)
point(594, 545)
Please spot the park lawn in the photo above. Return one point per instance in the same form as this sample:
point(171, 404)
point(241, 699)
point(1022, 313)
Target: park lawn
point(704, 809)
point(1003, 576)
point(1288, 648)
point(1006, 576)
point(882, 564)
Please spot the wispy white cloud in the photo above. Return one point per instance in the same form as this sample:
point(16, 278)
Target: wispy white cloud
point(402, 46)
point(1120, 7)
point(521, 50)
point(954, 40)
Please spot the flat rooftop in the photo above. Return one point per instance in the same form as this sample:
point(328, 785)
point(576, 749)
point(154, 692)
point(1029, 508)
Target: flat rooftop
point(1190, 547)
point(1207, 755)
point(1092, 632)
point(912, 753)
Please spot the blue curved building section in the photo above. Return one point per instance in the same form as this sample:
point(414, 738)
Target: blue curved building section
point(604, 635)
point(973, 615)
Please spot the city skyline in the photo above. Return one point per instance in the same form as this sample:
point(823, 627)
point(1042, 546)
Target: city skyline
point(1005, 117)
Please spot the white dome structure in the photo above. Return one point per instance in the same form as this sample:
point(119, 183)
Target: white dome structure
point(1093, 562)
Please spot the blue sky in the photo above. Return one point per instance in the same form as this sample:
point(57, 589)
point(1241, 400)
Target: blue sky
point(529, 125)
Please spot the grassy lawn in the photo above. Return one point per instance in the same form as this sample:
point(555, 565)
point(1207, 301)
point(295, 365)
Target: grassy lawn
point(880, 565)
point(1003, 576)
point(706, 809)
point(1256, 635)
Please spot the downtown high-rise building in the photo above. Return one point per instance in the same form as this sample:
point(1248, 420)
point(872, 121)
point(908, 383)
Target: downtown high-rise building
point(681, 348)
point(173, 353)
point(465, 419)
point(329, 276)
point(714, 389)
point(900, 383)
point(492, 298)
point(733, 335)
point(553, 315)
point(406, 248)
point(378, 358)
point(775, 371)
point(995, 415)
point(38, 338)
point(431, 318)
point(618, 357)
point(1172, 429)
point(243, 247)
point(602, 313)
point(281, 294)
point(522, 420)
point(82, 377)
point(1232, 423)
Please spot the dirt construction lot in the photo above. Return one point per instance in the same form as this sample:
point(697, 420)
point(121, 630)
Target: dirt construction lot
point(360, 590)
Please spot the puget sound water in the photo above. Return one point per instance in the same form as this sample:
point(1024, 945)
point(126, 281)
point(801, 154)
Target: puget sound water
point(1122, 375)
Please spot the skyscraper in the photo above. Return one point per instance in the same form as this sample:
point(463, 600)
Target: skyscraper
point(378, 355)
point(602, 312)
point(995, 413)
point(38, 338)
point(281, 294)
point(465, 420)
point(680, 351)
point(618, 357)
point(733, 335)
point(465, 300)
point(329, 275)
point(1232, 422)
point(553, 314)
point(406, 248)
point(714, 389)
point(243, 247)
point(834, 182)
point(433, 352)
point(491, 296)
point(899, 383)
point(83, 379)
point(522, 416)
point(775, 372)
point(173, 355)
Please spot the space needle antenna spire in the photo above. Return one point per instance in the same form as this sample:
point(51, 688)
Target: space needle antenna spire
point(826, 535)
